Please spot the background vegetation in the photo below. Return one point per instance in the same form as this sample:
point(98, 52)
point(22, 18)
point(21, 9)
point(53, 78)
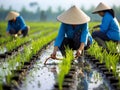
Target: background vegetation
point(49, 14)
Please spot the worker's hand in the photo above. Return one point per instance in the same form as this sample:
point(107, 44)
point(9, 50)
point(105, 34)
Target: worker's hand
point(15, 35)
point(78, 53)
point(19, 32)
point(28, 27)
point(53, 55)
point(81, 73)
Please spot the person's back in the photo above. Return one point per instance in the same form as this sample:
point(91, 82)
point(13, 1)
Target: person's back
point(73, 32)
point(109, 27)
point(16, 24)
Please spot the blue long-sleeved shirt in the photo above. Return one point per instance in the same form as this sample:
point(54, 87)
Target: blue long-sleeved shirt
point(19, 24)
point(68, 31)
point(110, 27)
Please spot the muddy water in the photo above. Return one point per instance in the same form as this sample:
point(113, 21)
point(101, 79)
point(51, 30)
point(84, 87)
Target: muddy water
point(2, 50)
point(43, 77)
point(92, 81)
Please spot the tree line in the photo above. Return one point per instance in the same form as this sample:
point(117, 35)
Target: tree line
point(49, 15)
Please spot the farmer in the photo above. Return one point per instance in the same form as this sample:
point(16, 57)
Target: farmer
point(73, 32)
point(16, 25)
point(109, 28)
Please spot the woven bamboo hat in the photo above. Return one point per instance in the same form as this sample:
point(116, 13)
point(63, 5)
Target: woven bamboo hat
point(74, 15)
point(11, 15)
point(101, 7)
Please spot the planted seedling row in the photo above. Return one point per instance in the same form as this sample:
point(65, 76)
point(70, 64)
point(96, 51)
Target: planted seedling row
point(5, 40)
point(34, 28)
point(18, 43)
point(107, 63)
point(29, 55)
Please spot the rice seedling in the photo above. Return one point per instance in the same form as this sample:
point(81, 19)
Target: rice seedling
point(1, 88)
point(65, 66)
point(112, 46)
point(113, 62)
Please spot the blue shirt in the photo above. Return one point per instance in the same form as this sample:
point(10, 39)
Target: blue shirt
point(19, 24)
point(110, 27)
point(68, 31)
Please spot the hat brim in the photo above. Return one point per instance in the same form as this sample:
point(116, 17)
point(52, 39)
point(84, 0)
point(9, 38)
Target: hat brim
point(101, 7)
point(74, 15)
point(11, 15)
point(95, 12)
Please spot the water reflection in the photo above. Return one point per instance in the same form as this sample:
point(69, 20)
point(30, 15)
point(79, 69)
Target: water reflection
point(3, 50)
point(43, 77)
point(90, 79)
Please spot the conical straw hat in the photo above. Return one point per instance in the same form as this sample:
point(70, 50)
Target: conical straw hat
point(73, 15)
point(101, 7)
point(11, 15)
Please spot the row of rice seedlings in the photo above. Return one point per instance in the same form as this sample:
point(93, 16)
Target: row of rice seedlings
point(22, 41)
point(17, 42)
point(4, 40)
point(113, 47)
point(37, 37)
point(18, 61)
point(1, 86)
point(97, 52)
point(94, 50)
point(42, 26)
point(3, 37)
point(65, 66)
point(36, 30)
point(3, 26)
point(35, 27)
point(111, 60)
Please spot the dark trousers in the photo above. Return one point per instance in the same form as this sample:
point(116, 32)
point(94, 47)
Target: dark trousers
point(71, 44)
point(100, 38)
point(24, 31)
point(100, 35)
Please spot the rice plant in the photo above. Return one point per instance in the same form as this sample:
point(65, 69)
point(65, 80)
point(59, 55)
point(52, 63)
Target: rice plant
point(65, 66)
point(112, 46)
